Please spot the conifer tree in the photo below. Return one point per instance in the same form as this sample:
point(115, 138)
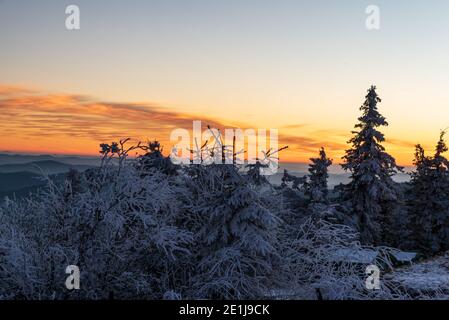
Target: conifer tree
point(429, 203)
point(154, 158)
point(254, 173)
point(236, 238)
point(316, 186)
point(441, 196)
point(371, 191)
point(420, 225)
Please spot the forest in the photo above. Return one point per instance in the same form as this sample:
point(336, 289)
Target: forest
point(145, 228)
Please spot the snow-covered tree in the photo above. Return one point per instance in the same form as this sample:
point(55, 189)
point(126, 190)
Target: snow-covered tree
point(289, 180)
point(254, 173)
point(429, 201)
point(372, 191)
point(316, 185)
point(237, 236)
point(154, 158)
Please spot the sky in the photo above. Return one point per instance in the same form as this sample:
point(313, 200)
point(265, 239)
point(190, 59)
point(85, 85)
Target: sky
point(142, 68)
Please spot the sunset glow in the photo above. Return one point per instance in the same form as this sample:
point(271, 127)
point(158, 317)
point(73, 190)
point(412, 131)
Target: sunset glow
point(142, 70)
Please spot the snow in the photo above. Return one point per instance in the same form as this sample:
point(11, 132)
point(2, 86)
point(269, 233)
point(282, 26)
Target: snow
point(428, 276)
point(362, 256)
point(403, 256)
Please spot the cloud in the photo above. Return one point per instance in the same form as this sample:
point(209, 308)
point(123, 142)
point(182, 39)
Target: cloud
point(9, 90)
point(309, 144)
point(33, 120)
point(294, 126)
point(68, 115)
point(400, 143)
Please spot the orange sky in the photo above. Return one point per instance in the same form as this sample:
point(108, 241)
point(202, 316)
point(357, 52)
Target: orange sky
point(35, 121)
point(141, 69)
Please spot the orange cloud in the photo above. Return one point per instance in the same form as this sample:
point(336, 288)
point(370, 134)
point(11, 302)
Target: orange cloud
point(35, 121)
point(399, 143)
point(8, 90)
point(58, 123)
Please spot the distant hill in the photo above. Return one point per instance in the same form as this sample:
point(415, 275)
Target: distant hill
point(20, 184)
point(334, 178)
point(18, 180)
point(20, 193)
point(21, 174)
point(45, 166)
point(10, 158)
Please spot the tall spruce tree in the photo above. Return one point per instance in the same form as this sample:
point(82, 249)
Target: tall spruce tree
point(372, 191)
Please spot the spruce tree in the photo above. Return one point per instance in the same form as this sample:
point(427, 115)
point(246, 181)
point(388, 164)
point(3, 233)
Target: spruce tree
point(372, 190)
point(316, 186)
point(236, 240)
point(254, 173)
point(154, 158)
point(429, 203)
point(316, 189)
point(420, 224)
point(441, 217)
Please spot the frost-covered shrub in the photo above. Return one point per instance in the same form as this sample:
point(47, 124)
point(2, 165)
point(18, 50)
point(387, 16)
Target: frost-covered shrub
point(323, 260)
point(120, 232)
